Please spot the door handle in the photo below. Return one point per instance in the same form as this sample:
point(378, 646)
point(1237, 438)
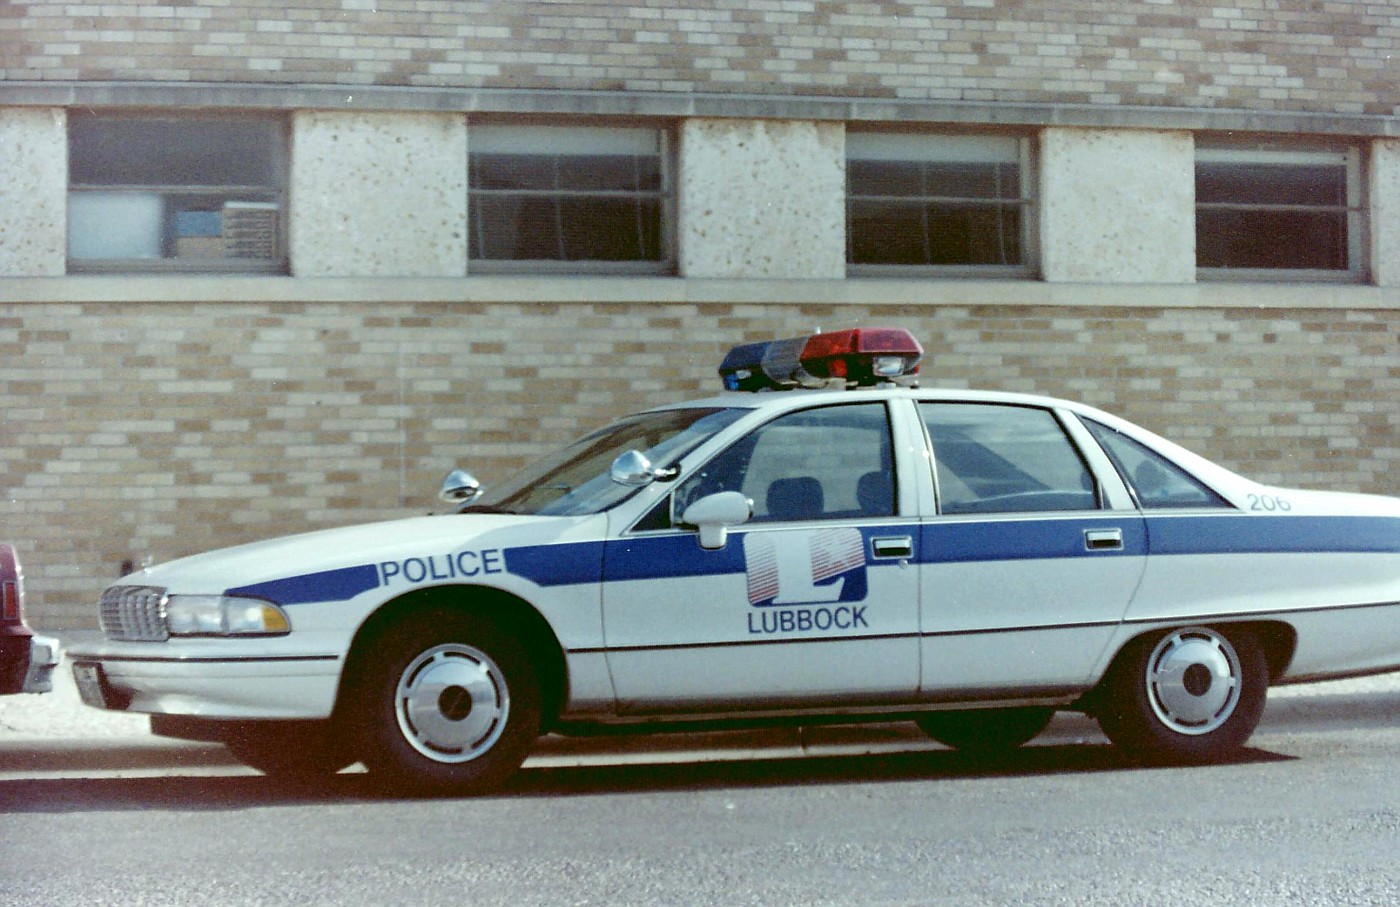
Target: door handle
point(902, 546)
point(1103, 539)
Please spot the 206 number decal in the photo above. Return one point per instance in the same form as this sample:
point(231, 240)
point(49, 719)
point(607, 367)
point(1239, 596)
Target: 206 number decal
point(1267, 503)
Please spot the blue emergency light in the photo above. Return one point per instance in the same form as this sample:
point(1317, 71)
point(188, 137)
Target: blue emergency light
point(860, 357)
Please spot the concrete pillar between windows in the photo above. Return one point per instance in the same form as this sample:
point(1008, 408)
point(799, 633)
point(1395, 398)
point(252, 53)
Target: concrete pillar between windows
point(1384, 204)
point(762, 198)
point(33, 191)
point(378, 194)
point(1117, 206)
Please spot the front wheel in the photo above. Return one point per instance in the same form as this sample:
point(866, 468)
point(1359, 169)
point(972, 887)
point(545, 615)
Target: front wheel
point(1185, 695)
point(450, 704)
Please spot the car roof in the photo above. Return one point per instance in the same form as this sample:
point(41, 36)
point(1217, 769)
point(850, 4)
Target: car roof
point(797, 398)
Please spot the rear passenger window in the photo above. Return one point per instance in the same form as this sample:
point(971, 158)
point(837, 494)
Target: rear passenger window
point(1156, 482)
point(1005, 459)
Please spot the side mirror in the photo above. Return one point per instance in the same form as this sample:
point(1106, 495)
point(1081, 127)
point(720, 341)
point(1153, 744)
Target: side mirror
point(634, 470)
point(714, 514)
point(459, 487)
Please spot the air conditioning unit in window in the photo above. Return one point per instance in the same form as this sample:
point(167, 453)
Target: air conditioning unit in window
point(250, 230)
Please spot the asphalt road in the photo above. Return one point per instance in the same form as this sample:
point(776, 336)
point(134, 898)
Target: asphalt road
point(1309, 815)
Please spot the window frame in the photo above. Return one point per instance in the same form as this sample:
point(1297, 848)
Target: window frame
point(278, 263)
point(665, 196)
point(1027, 203)
point(1356, 210)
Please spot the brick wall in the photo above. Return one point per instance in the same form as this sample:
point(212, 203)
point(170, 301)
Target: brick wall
point(1291, 55)
point(162, 429)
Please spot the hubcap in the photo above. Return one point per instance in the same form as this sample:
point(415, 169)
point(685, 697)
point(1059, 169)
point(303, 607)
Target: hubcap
point(452, 703)
point(1193, 681)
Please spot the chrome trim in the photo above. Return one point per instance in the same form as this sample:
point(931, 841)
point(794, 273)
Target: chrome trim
point(44, 656)
point(1103, 539)
point(887, 547)
point(135, 614)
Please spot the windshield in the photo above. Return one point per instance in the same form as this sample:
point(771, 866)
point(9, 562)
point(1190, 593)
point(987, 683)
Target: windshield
point(577, 480)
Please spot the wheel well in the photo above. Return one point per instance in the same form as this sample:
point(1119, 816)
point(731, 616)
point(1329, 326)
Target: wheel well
point(1278, 639)
point(511, 612)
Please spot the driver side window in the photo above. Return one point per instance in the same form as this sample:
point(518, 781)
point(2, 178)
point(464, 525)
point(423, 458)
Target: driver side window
point(818, 464)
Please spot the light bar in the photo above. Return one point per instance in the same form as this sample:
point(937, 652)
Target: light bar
point(860, 357)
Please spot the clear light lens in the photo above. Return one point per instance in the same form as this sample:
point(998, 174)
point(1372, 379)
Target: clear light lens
point(888, 366)
point(221, 615)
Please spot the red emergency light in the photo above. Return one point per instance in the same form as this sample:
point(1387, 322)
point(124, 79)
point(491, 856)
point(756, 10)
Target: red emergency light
point(860, 357)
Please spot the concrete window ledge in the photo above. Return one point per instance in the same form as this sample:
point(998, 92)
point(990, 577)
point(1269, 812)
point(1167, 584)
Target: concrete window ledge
point(681, 291)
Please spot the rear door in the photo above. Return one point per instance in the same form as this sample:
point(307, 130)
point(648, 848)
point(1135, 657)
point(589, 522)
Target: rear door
point(1033, 556)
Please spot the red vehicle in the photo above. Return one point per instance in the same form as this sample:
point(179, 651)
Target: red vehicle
point(26, 660)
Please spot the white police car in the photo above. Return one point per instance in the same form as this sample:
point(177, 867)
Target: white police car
point(973, 561)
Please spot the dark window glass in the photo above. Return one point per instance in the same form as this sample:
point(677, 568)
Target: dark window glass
point(935, 212)
point(195, 151)
point(575, 201)
point(1272, 216)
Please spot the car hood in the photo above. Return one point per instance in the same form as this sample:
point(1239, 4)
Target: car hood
point(333, 551)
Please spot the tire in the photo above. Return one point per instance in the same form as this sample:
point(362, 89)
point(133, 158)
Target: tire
point(985, 732)
point(288, 750)
point(449, 704)
point(1188, 695)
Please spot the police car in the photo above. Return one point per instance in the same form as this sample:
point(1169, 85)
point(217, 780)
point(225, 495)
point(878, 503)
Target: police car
point(825, 541)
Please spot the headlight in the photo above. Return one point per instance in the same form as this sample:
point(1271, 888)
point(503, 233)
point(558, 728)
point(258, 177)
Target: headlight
point(224, 615)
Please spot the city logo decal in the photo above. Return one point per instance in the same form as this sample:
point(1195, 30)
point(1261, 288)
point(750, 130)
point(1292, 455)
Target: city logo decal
point(806, 580)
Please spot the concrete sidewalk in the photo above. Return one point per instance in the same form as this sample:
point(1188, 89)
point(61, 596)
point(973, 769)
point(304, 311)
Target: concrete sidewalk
point(54, 734)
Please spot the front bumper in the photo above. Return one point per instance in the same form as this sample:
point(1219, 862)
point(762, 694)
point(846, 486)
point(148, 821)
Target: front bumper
point(205, 682)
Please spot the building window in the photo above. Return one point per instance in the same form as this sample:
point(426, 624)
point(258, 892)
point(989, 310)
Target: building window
point(564, 198)
point(186, 193)
point(937, 202)
point(1260, 212)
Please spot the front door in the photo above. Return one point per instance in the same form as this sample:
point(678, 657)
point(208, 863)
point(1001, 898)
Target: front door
point(813, 602)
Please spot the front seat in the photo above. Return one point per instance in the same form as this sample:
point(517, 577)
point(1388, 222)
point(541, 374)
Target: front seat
point(798, 498)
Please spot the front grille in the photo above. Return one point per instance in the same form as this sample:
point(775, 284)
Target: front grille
point(134, 613)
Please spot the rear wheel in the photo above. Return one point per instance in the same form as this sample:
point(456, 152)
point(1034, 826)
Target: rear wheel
point(985, 732)
point(450, 704)
point(1185, 695)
